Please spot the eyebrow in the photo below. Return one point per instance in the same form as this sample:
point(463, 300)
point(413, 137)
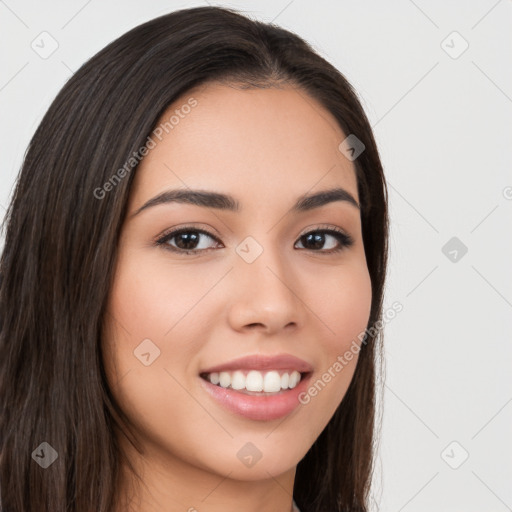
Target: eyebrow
point(226, 202)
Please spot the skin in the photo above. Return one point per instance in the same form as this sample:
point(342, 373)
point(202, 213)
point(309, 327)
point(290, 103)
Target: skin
point(265, 147)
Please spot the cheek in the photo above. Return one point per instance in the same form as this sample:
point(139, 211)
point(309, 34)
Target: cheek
point(345, 305)
point(345, 311)
point(154, 299)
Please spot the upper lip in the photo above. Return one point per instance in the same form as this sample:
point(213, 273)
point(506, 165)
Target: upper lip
point(263, 362)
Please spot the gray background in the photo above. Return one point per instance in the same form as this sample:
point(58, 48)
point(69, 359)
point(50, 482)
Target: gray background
point(442, 118)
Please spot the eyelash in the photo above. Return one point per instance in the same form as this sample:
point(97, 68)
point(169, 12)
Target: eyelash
point(343, 239)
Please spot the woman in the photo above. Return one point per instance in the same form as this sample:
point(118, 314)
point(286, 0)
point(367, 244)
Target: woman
point(194, 261)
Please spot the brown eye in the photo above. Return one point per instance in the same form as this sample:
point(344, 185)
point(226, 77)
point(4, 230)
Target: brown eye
point(187, 240)
point(316, 240)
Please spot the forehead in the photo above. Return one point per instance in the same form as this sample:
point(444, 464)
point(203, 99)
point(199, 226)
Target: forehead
point(254, 143)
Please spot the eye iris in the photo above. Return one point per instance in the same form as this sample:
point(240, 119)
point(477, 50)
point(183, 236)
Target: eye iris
point(190, 240)
point(317, 238)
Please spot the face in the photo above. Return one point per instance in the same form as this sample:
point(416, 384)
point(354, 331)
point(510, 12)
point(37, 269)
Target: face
point(197, 287)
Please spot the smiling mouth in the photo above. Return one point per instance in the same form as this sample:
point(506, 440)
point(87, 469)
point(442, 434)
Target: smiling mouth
point(255, 382)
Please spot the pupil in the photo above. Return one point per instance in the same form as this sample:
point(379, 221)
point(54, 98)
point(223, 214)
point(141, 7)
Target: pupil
point(318, 239)
point(189, 238)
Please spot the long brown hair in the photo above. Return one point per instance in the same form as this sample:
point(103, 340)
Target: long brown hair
point(60, 250)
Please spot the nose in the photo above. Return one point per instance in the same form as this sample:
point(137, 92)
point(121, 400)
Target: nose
point(264, 296)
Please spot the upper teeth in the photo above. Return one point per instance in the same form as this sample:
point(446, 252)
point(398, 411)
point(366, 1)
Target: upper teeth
point(267, 382)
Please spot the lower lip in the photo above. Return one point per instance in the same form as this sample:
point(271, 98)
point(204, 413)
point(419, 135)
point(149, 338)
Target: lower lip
point(254, 407)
